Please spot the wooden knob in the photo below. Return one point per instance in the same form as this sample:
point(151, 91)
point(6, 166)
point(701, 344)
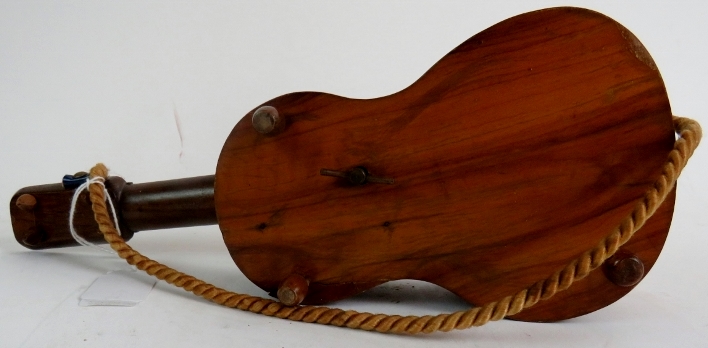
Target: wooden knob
point(293, 290)
point(26, 202)
point(265, 119)
point(624, 269)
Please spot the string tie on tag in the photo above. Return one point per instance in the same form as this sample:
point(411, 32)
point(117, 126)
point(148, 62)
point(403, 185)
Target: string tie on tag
point(79, 239)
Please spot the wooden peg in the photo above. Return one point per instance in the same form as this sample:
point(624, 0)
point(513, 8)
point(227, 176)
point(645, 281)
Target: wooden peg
point(26, 202)
point(293, 290)
point(265, 119)
point(624, 269)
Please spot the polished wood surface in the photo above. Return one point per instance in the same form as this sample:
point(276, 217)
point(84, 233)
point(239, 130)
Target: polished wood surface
point(516, 152)
point(165, 204)
point(168, 204)
point(46, 224)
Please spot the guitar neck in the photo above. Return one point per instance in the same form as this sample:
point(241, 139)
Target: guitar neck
point(169, 204)
point(40, 214)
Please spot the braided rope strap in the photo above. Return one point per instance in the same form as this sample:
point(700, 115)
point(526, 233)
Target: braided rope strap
point(689, 136)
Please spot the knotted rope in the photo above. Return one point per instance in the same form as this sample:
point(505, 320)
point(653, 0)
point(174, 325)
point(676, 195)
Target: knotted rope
point(689, 136)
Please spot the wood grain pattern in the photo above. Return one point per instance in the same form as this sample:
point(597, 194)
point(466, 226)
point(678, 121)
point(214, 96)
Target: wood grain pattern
point(148, 206)
point(516, 152)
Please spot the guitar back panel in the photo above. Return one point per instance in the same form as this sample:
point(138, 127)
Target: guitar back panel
point(515, 153)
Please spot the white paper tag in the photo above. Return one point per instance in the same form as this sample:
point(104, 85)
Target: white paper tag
point(124, 288)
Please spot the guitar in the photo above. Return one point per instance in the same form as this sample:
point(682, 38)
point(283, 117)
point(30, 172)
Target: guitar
point(514, 154)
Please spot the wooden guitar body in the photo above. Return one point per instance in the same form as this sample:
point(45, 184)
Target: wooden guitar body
point(515, 153)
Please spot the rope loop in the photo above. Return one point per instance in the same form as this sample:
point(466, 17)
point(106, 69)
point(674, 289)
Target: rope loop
point(689, 132)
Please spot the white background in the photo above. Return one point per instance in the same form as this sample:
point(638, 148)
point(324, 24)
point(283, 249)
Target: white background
point(83, 82)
